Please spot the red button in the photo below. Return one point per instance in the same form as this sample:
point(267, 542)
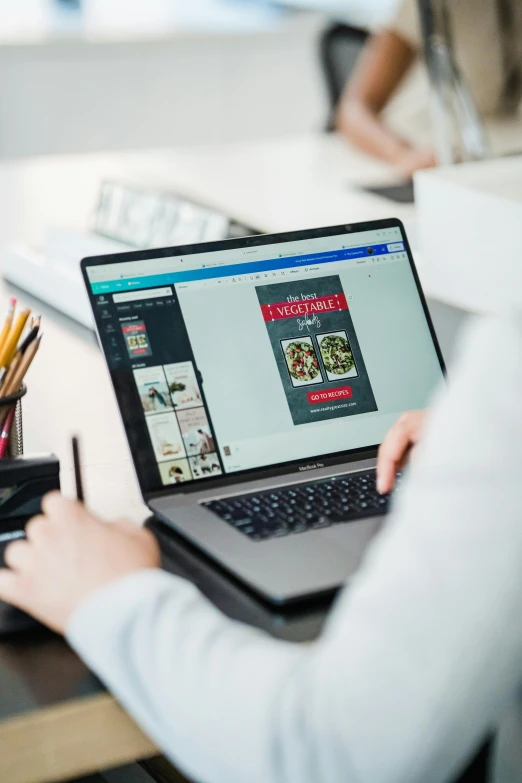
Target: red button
point(330, 395)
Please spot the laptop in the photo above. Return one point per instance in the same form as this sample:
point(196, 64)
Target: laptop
point(256, 378)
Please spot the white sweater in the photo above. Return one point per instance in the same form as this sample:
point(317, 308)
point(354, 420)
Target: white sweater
point(421, 657)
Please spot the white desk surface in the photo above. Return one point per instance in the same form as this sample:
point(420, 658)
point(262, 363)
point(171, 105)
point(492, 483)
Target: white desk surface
point(280, 185)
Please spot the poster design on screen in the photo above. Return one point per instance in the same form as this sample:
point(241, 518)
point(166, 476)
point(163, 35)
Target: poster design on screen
point(183, 386)
point(153, 390)
point(136, 339)
point(316, 349)
point(166, 437)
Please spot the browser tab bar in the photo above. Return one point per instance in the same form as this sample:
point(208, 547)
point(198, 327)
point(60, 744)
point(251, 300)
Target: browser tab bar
point(253, 268)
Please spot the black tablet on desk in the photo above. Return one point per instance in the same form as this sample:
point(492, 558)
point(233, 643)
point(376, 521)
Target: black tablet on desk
point(402, 193)
point(13, 620)
point(23, 483)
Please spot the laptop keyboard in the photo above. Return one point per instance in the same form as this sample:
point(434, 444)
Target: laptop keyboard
point(298, 508)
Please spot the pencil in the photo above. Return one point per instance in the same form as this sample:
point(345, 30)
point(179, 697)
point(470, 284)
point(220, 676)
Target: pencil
point(16, 381)
point(19, 375)
point(8, 322)
point(9, 349)
point(77, 469)
point(6, 431)
point(9, 373)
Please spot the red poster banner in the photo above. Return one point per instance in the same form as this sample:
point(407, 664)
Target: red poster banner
point(330, 395)
point(310, 306)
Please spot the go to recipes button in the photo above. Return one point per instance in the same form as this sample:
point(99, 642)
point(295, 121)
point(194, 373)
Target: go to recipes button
point(330, 395)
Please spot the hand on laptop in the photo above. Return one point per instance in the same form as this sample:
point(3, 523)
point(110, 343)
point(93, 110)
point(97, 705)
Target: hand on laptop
point(68, 555)
point(396, 448)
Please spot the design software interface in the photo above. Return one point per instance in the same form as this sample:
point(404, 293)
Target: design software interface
point(262, 355)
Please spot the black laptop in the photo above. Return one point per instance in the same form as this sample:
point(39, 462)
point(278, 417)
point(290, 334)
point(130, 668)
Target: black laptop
point(256, 378)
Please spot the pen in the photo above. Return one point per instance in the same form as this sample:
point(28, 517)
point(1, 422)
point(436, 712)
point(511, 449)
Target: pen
point(6, 431)
point(77, 469)
point(32, 334)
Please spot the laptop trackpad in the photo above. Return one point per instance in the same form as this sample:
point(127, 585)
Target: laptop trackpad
point(354, 537)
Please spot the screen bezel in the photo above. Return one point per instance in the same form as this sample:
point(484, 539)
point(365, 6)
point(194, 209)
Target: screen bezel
point(268, 471)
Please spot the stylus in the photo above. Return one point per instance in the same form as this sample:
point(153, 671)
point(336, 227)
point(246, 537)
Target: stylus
point(77, 469)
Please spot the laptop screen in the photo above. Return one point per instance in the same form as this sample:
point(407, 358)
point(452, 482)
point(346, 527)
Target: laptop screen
point(232, 357)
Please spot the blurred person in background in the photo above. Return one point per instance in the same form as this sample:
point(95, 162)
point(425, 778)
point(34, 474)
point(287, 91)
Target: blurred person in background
point(385, 106)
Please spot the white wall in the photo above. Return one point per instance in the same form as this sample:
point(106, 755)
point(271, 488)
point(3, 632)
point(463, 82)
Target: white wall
point(192, 88)
point(363, 13)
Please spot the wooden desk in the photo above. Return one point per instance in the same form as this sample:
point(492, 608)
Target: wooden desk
point(56, 719)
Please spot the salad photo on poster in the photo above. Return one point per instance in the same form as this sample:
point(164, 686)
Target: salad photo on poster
point(302, 362)
point(316, 349)
point(337, 355)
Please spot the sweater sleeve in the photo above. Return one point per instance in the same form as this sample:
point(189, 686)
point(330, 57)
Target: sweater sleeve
point(420, 657)
point(406, 23)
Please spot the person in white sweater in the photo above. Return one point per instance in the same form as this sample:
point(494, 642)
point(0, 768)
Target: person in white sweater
point(421, 658)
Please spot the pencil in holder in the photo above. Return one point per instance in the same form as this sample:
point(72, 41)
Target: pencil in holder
point(16, 440)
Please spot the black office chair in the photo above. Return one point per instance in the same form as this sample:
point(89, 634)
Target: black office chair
point(340, 48)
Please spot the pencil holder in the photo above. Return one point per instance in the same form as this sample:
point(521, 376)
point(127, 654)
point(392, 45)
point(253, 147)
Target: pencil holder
point(16, 439)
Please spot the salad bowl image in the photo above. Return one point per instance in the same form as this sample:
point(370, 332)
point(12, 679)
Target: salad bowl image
point(301, 361)
point(337, 355)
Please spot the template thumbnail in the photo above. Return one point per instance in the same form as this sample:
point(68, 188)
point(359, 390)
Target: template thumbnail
point(195, 431)
point(316, 349)
point(175, 472)
point(166, 437)
point(136, 339)
point(153, 390)
point(205, 465)
point(183, 386)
